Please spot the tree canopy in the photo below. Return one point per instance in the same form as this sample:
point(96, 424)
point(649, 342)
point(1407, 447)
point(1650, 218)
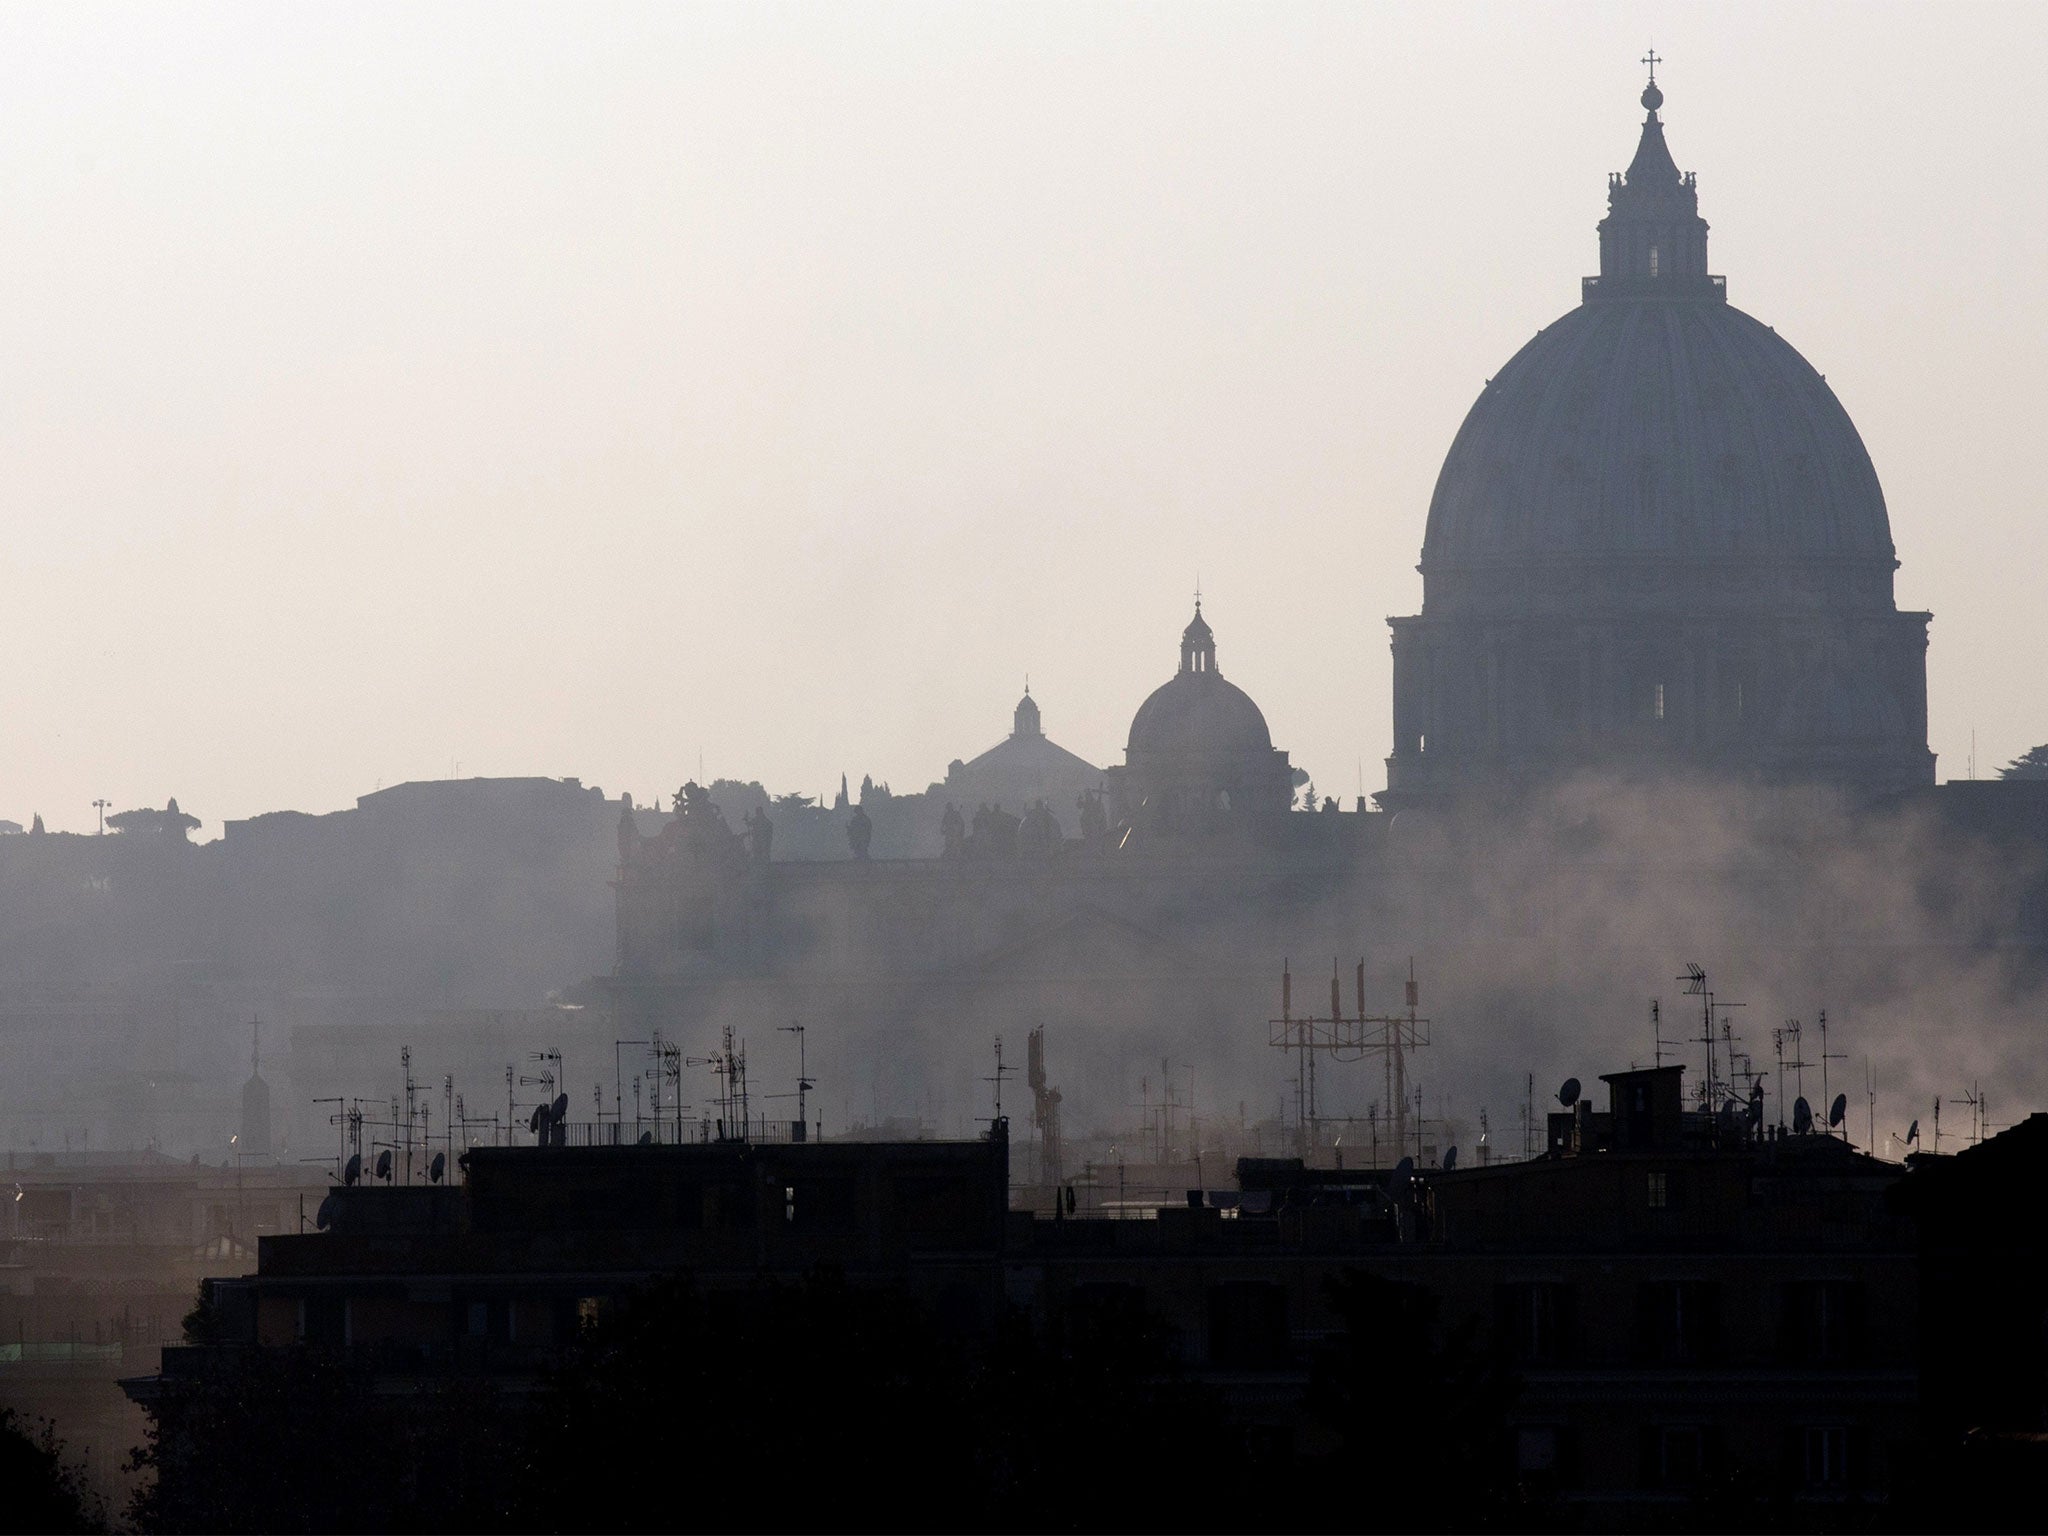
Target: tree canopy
point(2028, 765)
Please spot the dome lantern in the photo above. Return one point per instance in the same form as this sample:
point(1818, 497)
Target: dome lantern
point(1025, 722)
point(1653, 237)
point(1198, 643)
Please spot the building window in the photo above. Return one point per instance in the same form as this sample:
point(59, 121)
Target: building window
point(1677, 1322)
point(1535, 1321)
point(1678, 1455)
point(1827, 1456)
point(1822, 1322)
point(1653, 261)
point(1657, 703)
point(1667, 1190)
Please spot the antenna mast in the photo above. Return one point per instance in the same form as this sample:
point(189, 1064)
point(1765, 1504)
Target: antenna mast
point(1000, 1073)
point(1827, 1056)
point(1350, 1037)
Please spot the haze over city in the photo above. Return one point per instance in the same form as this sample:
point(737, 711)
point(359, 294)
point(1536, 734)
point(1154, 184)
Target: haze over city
point(1298, 744)
point(505, 390)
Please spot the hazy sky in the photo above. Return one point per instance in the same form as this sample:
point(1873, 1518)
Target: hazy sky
point(576, 389)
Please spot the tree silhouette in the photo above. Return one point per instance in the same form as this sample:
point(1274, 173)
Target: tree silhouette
point(2028, 765)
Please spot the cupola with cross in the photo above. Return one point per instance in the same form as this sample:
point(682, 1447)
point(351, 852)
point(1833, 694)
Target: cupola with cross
point(1653, 236)
point(1198, 643)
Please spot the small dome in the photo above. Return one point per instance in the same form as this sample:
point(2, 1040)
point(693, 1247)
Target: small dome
point(1025, 721)
point(1198, 714)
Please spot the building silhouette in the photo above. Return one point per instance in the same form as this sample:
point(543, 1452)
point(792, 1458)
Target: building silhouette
point(1200, 760)
point(1026, 768)
point(1657, 545)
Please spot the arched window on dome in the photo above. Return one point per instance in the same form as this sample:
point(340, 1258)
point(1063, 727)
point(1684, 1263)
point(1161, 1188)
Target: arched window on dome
point(1654, 262)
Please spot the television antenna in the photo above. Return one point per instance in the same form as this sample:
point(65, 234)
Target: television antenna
point(799, 1128)
point(340, 1118)
point(804, 1085)
point(729, 1065)
point(1974, 1097)
point(541, 1121)
point(1045, 1110)
point(1827, 1056)
point(996, 1078)
point(619, 1078)
point(1349, 1037)
point(1789, 1033)
point(1712, 1088)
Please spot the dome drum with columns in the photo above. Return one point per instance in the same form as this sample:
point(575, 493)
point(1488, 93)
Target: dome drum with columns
point(1657, 541)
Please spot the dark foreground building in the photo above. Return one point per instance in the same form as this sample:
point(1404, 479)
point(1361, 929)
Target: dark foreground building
point(1668, 1316)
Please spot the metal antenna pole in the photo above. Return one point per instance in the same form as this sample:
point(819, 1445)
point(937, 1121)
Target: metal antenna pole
point(1827, 1056)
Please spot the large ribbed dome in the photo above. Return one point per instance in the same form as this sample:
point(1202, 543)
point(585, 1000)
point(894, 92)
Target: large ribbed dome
point(1657, 545)
point(1666, 426)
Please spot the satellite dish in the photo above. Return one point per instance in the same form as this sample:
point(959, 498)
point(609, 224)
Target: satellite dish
point(438, 1166)
point(1838, 1109)
point(1756, 1109)
point(384, 1165)
point(1802, 1117)
point(1913, 1131)
point(324, 1217)
point(559, 1110)
point(647, 1138)
point(1568, 1095)
point(353, 1173)
point(1450, 1159)
point(538, 1118)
